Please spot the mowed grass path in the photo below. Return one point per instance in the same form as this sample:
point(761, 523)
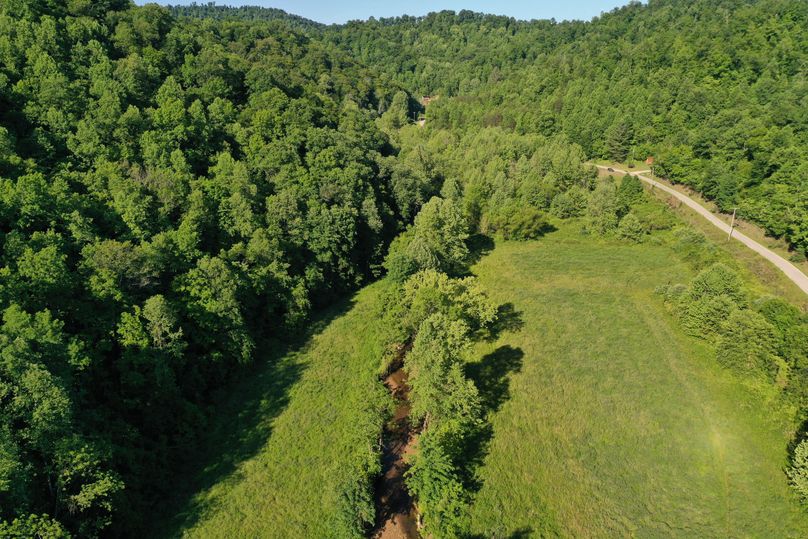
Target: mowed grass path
point(288, 486)
point(617, 424)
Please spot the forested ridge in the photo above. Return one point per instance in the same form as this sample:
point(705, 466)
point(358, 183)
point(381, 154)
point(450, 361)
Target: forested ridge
point(174, 196)
point(714, 89)
point(182, 188)
point(210, 10)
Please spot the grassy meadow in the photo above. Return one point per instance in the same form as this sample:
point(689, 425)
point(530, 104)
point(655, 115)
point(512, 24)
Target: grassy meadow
point(613, 423)
point(281, 439)
point(606, 419)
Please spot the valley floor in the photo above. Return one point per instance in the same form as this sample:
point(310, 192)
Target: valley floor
point(280, 451)
point(607, 420)
point(615, 423)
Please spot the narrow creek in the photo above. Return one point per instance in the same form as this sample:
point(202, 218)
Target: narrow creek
point(395, 513)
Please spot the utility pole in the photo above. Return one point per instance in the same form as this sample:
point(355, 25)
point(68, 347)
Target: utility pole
point(732, 224)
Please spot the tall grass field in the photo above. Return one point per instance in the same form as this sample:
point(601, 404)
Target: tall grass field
point(606, 419)
point(615, 423)
point(282, 442)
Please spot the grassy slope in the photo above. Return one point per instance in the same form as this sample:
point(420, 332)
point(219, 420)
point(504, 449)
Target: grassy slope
point(768, 274)
point(617, 423)
point(284, 486)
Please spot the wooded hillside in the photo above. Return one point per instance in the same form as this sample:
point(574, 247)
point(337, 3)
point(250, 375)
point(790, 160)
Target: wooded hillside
point(715, 89)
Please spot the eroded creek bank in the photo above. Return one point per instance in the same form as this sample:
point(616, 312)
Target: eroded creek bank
point(396, 517)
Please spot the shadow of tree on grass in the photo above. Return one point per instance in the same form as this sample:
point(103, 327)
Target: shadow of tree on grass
point(479, 245)
point(240, 424)
point(490, 375)
point(522, 533)
point(508, 320)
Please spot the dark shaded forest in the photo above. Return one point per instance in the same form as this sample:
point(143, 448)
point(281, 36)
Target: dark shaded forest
point(175, 196)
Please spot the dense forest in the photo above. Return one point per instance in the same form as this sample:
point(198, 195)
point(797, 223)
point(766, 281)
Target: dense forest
point(714, 89)
point(244, 13)
point(182, 188)
point(174, 195)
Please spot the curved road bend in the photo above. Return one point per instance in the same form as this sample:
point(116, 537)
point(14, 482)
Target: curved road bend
point(791, 271)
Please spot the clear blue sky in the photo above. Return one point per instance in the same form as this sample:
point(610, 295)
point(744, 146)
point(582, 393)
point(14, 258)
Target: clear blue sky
point(339, 11)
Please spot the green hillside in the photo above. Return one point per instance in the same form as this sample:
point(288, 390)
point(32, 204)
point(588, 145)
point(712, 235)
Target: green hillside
point(238, 252)
point(714, 89)
point(606, 419)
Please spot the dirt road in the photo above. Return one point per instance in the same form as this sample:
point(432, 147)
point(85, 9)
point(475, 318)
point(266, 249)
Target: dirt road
point(791, 271)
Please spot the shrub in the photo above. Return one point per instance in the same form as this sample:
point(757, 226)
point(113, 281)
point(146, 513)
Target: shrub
point(747, 343)
point(797, 257)
point(602, 209)
point(671, 293)
point(629, 192)
point(693, 247)
point(794, 348)
point(439, 493)
point(654, 216)
point(518, 222)
point(718, 280)
point(703, 306)
point(798, 472)
point(703, 317)
point(354, 494)
point(630, 228)
point(571, 203)
point(790, 327)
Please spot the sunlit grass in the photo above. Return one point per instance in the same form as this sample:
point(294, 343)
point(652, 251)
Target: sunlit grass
point(288, 487)
point(609, 421)
point(617, 424)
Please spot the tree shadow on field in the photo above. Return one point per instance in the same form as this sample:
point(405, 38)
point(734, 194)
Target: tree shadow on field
point(490, 375)
point(525, 532)
point(240, 424)
point(508, 320)
point(479, 245)
point(544, 229)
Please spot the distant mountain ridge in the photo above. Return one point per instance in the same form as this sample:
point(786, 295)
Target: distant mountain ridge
point(211, 10)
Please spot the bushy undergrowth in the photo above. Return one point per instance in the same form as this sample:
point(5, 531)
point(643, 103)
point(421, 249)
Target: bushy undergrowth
point(798, 472)
point(570, 203)
point(762, 338)
point(631, 228)
point(437, 317)
point(515, 222)
point(616, 209)
point(693, 247)
point(715, 306)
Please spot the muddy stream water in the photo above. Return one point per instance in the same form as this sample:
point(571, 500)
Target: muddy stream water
point(395, 514)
